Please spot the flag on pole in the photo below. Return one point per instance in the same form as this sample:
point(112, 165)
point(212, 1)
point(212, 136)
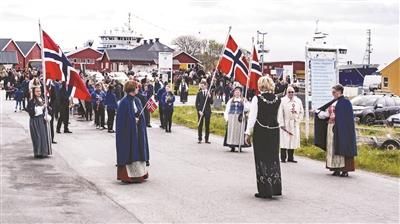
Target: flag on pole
point(255, 71)
point(58, 67)
point(233, 62)
point(151, 105)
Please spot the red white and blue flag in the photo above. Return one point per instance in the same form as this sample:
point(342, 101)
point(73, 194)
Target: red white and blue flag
point(151, 105)
point(255, 71)
point(233, 62)
point(58, 67)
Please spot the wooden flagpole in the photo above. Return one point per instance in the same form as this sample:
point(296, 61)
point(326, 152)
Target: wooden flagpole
point(245, 96)
point(46, 114)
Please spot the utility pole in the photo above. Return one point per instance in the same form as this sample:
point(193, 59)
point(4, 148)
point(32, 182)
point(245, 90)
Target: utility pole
point(260, 42)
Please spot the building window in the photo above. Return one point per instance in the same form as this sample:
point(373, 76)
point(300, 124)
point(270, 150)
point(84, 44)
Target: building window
point(386, 82)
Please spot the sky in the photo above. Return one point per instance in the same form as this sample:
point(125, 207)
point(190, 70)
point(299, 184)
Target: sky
point(289, 23)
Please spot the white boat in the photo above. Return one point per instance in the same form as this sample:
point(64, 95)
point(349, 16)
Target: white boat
point(120, 38)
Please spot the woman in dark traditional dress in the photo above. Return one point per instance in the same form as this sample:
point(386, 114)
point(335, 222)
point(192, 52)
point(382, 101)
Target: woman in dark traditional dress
point(339, 134)
point(183, 90)
point(263, 121)
point(38, 125)
point(131, 137)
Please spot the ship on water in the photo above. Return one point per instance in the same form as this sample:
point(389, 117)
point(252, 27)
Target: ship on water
point(354, 74)
point(120, 38)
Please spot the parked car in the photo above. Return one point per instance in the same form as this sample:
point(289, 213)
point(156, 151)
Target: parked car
point(96, 76)
point(372, 82)
point(142, 75)
point(120, 76)
point(394, 120)
point(371, 109)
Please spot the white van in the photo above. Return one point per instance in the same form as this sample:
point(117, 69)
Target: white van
point(372, 82)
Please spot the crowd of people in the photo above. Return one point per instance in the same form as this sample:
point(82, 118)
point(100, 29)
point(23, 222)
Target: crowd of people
point(267, 119)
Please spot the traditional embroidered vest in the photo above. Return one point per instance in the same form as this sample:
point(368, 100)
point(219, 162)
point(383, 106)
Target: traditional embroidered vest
point(237, 107)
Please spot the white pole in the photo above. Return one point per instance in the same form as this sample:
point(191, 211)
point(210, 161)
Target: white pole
point(307, 90)
point(245, 95)
point(45, 88)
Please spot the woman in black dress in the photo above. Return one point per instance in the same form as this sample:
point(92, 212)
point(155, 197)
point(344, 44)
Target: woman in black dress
point(264, 125)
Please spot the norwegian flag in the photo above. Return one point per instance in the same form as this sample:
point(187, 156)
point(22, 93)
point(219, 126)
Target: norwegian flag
point(233, 62)
point(58, 67)
point(255, 71)
point(151, 105)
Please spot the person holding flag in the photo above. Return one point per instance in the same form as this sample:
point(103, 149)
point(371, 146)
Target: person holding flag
point(38, 124)
point(203, 106)
point(131, 137)
point(236, 122)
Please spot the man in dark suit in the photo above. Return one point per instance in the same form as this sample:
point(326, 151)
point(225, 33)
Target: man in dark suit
point(204, 97)
point(64, 110)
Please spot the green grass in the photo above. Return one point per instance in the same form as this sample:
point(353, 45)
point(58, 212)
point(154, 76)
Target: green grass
point(369, 158)
point(187, 116)
point(193, 89)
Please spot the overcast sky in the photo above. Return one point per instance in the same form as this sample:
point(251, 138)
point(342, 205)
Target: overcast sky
point(289, 23)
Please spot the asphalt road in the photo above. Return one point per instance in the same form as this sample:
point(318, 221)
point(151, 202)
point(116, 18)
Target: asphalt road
point(188, 183)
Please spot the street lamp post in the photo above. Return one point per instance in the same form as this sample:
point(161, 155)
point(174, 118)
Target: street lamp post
point(262, 50)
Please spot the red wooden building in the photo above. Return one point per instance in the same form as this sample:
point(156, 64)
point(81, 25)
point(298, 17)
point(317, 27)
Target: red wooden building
point(30, 50)
point(185, 61)
point(25, 50)
point(298, 67)
point(86, 56)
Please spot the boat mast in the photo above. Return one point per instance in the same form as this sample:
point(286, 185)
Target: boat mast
point(368, 50)
point(129, 21)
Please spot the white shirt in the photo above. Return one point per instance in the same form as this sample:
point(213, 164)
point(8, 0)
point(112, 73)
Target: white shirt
point(39, 110)
point(252, 115)
point(246, 107)
point(135, 109)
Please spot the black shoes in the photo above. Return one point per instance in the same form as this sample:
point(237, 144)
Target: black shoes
point(53, 142)
point(58, 131)
point(67, 131)
point(338, 174)
point(258, 195)
point(233, 149)
point(292, 161)
point(111, 131)
point(208, 142)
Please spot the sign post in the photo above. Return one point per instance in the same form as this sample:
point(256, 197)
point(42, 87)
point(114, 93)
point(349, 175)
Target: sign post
point(321, 73)
point(165, 65)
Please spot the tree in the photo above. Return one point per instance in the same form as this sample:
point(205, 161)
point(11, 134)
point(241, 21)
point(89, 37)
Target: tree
point(189, 44)
point(207, 51)
point(211, 55)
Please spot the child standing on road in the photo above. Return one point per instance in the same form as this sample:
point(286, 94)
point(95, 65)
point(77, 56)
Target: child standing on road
point(19, 95)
